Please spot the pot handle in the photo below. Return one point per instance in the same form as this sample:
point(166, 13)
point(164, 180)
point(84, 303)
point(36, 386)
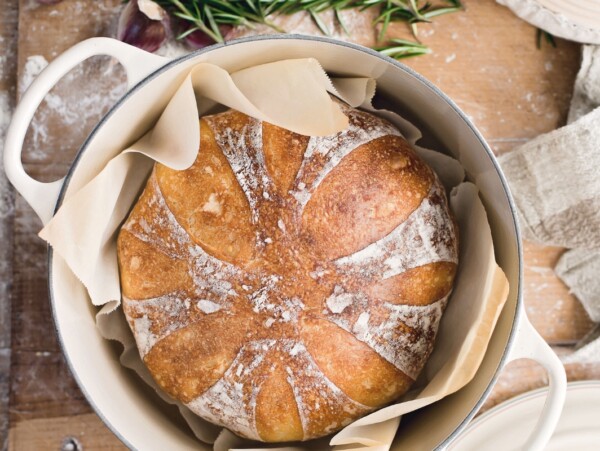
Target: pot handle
point(43, 196)
point(530, 345)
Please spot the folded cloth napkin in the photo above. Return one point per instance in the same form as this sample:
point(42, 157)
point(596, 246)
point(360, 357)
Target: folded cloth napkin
point(559, 18)
point(554, 179)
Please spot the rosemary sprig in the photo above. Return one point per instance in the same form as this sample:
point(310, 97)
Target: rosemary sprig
point(413, 12)
point(547, 37)
point(402, 48)
point(208, 15)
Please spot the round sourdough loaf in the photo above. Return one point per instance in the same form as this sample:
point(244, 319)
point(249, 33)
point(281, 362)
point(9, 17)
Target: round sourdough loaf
point(284, 285)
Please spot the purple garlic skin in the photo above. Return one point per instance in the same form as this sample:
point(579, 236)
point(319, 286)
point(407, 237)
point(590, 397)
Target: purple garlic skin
point(143, 24)
point(198, 39)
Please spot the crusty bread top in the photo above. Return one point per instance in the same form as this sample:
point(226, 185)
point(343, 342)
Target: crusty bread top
point(286, 285)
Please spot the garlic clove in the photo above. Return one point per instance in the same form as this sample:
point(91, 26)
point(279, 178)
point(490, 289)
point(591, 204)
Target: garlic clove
point(152, 10)
point(144, 24)
point(198, 39)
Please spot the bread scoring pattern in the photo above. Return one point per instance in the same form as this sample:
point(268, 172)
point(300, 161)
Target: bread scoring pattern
point(283, 270)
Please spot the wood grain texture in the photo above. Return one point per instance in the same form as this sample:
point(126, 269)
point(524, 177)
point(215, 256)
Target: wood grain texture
point(485, 59)
point(557, 315)
point(87, 431)
point(8, 65)
point(41, 385)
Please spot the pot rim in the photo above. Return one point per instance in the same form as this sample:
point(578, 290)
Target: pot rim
point(130, 92)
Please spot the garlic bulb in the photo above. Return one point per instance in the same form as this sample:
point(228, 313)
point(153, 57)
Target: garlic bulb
point(144, 24)
point(198, 39)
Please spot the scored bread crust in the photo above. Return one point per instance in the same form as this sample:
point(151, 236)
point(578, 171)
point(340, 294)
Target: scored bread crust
point(284, 286)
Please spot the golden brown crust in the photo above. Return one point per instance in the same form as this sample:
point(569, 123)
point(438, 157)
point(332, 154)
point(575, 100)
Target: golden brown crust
point(377, 172)
point(282, 270)
point(351, 365)
point(143, 278)
point(418, 286)
point(282, 424)
point(282, 166)
point(209, 203)
point(190, 360)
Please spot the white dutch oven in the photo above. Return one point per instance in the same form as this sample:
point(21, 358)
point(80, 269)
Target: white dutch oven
point(124, 402)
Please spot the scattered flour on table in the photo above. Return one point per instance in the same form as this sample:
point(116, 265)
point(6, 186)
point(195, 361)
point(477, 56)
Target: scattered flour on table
point(428, 32)
point(6, 205)
point(4, 60)
point(7, 208)
point(172, 49)
point(5, 115)
point(34, 65)
point(73, 105)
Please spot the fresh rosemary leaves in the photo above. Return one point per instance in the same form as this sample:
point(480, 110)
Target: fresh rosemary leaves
point(208, 16)
point(546, 37)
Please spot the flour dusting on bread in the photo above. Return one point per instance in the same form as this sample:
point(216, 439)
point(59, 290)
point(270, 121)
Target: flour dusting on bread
point(262, 305)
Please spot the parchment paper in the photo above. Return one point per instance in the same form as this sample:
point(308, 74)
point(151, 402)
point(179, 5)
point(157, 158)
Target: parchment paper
point(293, 94)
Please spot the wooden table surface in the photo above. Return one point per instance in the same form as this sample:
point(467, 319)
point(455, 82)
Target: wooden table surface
point(485, 59)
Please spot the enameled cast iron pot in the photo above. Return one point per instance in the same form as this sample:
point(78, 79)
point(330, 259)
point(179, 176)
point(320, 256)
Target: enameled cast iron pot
point(116, 393)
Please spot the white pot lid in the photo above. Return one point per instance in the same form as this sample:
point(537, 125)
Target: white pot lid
point(507, 426)
point(574, 20)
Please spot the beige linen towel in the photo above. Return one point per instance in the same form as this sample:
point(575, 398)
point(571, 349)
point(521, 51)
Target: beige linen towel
point(556, 184)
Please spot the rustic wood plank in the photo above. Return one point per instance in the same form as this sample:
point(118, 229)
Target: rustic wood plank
point(557, 315)
point(87, 431)
point(8, 72)
point(41, 383)
point(42, 387)
point(486, 60)
point(4, 396)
